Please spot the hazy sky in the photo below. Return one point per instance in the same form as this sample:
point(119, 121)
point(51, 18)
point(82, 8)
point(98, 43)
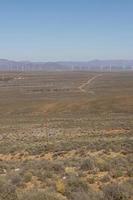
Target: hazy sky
point(66, 29)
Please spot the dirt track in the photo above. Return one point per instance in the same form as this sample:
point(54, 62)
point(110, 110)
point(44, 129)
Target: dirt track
point(82, 86)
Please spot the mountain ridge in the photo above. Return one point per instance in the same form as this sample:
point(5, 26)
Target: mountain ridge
point(97, 64)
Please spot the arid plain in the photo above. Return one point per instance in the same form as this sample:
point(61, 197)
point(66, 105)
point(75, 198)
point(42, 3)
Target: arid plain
point(66, 135)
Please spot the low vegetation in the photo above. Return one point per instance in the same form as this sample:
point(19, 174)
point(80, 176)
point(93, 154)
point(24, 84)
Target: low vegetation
point(59, 143)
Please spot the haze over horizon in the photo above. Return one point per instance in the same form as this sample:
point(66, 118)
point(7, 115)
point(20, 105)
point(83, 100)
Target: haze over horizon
point(55, 30)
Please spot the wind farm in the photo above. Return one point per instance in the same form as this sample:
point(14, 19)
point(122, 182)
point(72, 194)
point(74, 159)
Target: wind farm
point(66, 100)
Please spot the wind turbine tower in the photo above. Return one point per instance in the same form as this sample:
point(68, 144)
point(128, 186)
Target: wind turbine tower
point(110, 68)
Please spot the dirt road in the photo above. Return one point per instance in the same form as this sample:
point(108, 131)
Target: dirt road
point(82, 86)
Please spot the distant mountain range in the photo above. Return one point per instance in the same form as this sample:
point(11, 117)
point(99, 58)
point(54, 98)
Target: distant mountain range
point(93, 65)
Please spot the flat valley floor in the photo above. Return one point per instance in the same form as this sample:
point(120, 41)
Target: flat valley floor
point(66, 135)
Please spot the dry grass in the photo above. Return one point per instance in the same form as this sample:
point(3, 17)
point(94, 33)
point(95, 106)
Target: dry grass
point(90, 144)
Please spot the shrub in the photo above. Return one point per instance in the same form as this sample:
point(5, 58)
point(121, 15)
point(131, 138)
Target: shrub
point(116, 173)
point(7, 191)
point(91, 179)
point(27, 177)
point(60, 187)
point(83, 195)
point(103, 166)
point(130, 172)
point(40, 195)
point(73, 185)
point(118, 163)
point(57, 167)
point(105, 178)
point(16, 179)
point(88, 164)
point(71, 171)
point(115, 192)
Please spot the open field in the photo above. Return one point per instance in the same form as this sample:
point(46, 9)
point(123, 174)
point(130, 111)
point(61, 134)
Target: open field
point(66, 136)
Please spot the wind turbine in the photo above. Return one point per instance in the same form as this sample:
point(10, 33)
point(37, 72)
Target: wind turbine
point(110, 68)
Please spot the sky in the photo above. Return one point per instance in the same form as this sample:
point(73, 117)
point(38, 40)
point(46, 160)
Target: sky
point(66, 30)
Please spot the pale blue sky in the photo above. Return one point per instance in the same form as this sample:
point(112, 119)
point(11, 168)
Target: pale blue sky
point(50, 30)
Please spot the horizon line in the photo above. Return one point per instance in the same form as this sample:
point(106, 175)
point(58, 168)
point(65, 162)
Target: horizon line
point(56, 61)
